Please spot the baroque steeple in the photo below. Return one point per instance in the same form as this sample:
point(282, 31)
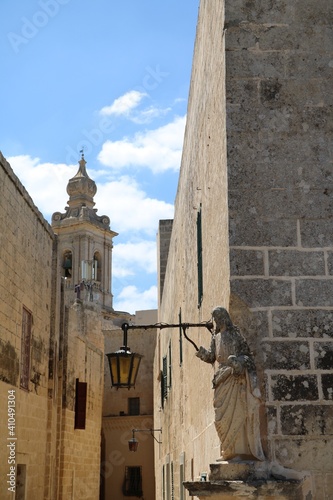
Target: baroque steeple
point(84, 242)
point(81, 190)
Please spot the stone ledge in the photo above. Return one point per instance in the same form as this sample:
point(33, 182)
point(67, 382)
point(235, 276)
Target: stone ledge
point(253, 480)
point(264, 489)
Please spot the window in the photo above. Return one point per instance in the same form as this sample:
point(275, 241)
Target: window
point(164, 380)
point(133, 482)
point(166, 373)
point(25, 348)
point(21, 481)
point(80, 405)
point(134, 406)
point(97, 267)
point(199, 257)
point(67, 263)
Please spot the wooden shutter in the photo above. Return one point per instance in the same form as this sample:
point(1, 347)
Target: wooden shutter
point(199, 257)
point(80, 405)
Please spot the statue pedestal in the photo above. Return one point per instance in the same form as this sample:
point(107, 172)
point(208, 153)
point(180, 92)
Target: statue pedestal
point(251, 480)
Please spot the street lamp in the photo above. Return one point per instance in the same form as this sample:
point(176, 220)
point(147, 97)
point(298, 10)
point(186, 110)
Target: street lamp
point(133, 443)
point(124, 364)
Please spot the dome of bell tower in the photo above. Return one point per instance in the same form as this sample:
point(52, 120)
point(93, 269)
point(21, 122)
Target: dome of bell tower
point(81, 188)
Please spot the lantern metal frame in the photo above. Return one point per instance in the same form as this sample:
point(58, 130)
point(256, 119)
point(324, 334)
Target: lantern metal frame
point(133, 443)
point(124, 364)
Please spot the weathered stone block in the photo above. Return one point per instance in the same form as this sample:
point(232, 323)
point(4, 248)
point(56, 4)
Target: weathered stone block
point(240, 38)
point(253, 147)
point(246, 262)
point(242, 91)
point(251, 231)
point(317, 233)
point(307, 420)
point(245, 64)
point(280, 11)
point(281, 203)
point(304, 323)
point(296, 263)
point(330, 262)
point(313, 12)
point(303, 453)
point(271, 414)
point(328, 484)
point(323, 354)
point(263, 292)
point(314, 292)
point(9, 363)
point(294, 387)
point(327, 385)
point(314, 64)
point(286, 355)
point(261, 175)
point(287, 37)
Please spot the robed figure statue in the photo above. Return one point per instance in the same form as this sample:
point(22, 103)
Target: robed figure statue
point(236, 393)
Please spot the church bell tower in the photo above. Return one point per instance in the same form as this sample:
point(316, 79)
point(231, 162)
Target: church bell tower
point(84, 242)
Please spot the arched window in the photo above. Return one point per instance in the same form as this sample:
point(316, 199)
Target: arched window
point(97, 266)
point(67, 263)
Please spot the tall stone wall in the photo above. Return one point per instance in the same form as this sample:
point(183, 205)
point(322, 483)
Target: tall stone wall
point(26, 245)
point(185, 413)
point(279, 135)
point(83, 359)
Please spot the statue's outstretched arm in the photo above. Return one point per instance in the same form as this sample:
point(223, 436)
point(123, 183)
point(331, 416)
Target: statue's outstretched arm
point(207, 355)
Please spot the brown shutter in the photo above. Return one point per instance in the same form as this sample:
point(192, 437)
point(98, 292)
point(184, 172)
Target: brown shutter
point(80, 404)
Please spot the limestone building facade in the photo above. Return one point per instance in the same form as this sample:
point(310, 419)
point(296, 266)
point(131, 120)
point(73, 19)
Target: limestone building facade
point(253, 232)
point(27, 342)
point(126, 473)
point(55, 291)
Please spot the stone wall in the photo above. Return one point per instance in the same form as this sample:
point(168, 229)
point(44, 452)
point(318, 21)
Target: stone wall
point(189, 441)
point(26, 280)
point(279, 72)
point(83, 359)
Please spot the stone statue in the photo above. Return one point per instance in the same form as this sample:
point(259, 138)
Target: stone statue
point(236, 391)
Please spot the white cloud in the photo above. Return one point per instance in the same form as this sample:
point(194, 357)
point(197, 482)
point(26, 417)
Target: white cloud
point(45, 182)
point(133, 257)
point(148, 114)
point(131, 299)
point(124, 104)
point(158, 150)
point(129, 208)
point(127, 106)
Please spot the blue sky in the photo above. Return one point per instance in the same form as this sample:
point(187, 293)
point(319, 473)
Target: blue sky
point(112, 77)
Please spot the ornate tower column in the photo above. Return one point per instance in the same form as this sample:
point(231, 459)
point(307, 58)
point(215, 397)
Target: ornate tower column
point(84, 242)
